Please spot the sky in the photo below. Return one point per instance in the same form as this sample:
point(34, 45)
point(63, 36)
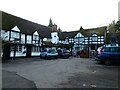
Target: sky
point(69, 15)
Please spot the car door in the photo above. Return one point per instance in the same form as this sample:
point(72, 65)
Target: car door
point(115, 54)
point(118, 55)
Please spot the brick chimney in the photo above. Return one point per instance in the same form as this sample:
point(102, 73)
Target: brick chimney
point(54, 28)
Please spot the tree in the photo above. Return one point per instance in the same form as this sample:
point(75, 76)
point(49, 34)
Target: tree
point(117, 26)
point(112, 27)
point(59, 30)
point(81, 28)
point(50, 23)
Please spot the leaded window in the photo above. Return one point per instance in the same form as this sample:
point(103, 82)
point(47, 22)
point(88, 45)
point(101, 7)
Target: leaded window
point(29, 39)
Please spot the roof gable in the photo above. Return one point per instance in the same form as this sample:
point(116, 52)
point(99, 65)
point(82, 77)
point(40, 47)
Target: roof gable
point(94, 34)
point(16, 29)
point(79, 35)
point(35, 33)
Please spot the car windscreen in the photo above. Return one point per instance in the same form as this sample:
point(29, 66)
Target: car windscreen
point(52, 50)
point(44, 50)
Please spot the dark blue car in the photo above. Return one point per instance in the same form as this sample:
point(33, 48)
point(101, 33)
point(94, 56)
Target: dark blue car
point(63, 53)
point(109, 55)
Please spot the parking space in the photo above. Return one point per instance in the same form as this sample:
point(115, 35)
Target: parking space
point(74, 72)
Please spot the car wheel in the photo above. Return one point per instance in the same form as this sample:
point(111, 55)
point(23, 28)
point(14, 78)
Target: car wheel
point(65, 57)
point(107, 62)
point(48, 57)
point(40, 56)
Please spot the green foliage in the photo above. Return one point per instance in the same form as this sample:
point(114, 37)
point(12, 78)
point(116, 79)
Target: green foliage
point(81, 28)
point(117, 26)
point(59, 30)
point(50, 23)
point(112, 27)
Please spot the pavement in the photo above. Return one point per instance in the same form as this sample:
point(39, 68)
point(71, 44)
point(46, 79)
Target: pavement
point(13, 80)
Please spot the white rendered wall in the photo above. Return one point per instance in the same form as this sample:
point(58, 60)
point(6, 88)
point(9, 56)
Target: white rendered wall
point(35, 53)
point(18, 54)
point(55, 38)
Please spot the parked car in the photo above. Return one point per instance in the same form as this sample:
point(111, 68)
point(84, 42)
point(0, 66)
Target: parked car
point(49, 53)
point(70, 53)
point(63, 53)
point(99, 50)
point(109, 55)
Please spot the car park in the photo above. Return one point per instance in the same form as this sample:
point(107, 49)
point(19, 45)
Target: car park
point(49, 54)
point(63, 53)
point(109, 55)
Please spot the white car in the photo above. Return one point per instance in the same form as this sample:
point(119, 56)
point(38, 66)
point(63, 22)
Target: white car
point(49, 53)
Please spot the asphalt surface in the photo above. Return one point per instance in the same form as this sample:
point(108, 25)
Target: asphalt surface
point(74, 72)
point(13, 80)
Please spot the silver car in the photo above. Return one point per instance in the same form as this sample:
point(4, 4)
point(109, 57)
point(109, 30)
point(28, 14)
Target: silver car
point(49, 54)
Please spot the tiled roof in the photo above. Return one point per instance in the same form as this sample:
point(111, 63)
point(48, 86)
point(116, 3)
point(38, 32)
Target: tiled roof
point(89, 32)
point(84, 32)
point(28, 27)
point(25, 26)
point(63, 35)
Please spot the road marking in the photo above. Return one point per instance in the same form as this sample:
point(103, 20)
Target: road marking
point(93, 85)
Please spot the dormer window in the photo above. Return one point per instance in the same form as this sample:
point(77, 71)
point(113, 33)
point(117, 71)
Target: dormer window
point(29, 39)
point(94, 34)
point(35, 38)
point(79, 35)
point(15, 33)
point(94, 37)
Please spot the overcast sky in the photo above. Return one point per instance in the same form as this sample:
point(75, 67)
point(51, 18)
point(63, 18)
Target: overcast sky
point(69, 15)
